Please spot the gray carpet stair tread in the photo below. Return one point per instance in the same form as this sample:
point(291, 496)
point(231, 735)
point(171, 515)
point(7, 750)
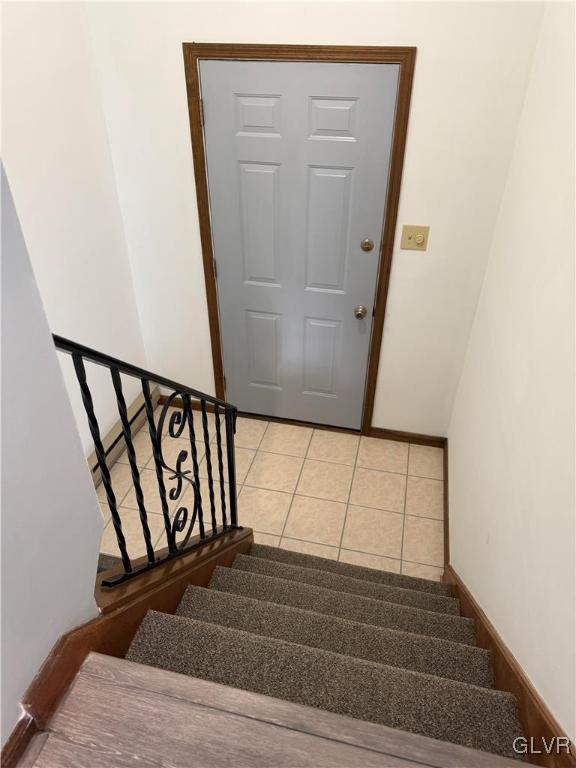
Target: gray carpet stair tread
point(481, 718)
point(344, 605)
point(339, 583)
point(419, 653)
point(347, 569)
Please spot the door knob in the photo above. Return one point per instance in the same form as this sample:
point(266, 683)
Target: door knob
point(360, 311)
point(367, 244)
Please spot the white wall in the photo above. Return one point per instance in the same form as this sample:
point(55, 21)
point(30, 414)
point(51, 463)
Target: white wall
point(471, 71)
point(51, 522)
point(511, 434)
point(56, 152)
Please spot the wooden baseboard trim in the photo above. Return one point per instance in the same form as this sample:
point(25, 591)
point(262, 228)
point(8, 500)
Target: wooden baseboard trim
point(18, 741)
point(537, 720)
point(178, 403)
point(112, 632)
point(406, 437)
point(112, 441)
point(446, 518)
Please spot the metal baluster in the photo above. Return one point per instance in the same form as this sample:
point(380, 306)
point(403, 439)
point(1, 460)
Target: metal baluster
point(230, 420)
point(123, 411)
point(220, 465)
point(173, 549)
point(190, 416)
point(209, 465)
point(101, 456)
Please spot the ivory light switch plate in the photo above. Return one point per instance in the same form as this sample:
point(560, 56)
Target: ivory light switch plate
point(414, 238)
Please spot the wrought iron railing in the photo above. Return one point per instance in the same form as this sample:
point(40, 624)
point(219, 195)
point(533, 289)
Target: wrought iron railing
point(182, 403)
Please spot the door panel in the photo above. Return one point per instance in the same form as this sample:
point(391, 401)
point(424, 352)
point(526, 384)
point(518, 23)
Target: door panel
point(320, 348)
point(263, 349)
point(258, 199)
point(328, 216)
point(297, 157)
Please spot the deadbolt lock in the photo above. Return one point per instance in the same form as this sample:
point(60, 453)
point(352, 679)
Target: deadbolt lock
point(367, 244)
point(360, 311)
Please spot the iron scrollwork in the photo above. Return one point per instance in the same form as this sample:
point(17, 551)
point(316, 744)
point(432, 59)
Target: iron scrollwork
point(179, 418)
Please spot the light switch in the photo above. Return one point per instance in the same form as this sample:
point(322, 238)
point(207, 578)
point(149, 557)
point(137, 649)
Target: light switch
point(414, 238)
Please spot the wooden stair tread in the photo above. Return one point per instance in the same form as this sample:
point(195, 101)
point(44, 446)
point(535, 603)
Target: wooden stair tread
point(121, 713)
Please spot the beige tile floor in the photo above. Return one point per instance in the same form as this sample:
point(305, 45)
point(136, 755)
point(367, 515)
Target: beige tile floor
point(356, 499)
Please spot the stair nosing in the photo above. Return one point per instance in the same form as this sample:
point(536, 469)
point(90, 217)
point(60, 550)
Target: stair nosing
point(340, 618)
point(447, 645)
point(504, 695)
point(449, 601)
point(280, 555)
point(461, 620)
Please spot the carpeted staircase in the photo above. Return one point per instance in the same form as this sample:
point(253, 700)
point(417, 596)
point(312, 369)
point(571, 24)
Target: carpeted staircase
point(372, 645)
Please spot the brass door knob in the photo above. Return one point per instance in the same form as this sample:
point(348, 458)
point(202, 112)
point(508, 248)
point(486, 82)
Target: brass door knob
point(360, 311)
point(367, 244)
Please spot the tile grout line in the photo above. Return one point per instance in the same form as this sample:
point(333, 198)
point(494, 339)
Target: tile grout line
point(262, 436)
point(404, 515)
point(294, 493)
point(252, 460)
point(296, 485)
point(336, 501)
point(426, 565)
point(357, 466)
point(292, 455)
point(316, 543)
point(348, 500)
point(246, 475)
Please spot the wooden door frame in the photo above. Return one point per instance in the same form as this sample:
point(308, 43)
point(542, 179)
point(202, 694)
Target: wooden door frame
point(403, 56)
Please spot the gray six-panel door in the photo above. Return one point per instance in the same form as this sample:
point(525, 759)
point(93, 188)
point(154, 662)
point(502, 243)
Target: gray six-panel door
point(297, 158)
